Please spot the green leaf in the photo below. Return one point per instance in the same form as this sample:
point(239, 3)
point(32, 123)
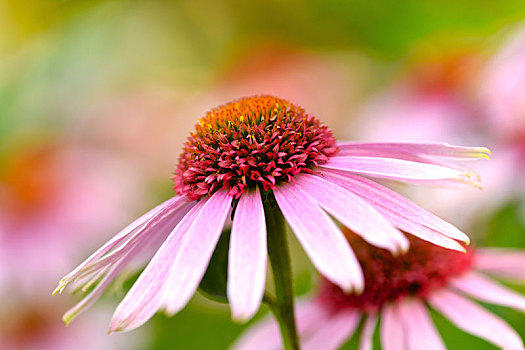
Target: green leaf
point(213, 284)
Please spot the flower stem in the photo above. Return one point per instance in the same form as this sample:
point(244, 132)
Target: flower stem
point(283, 308)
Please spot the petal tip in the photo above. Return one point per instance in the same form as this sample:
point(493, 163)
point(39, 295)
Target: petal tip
point(241, 317)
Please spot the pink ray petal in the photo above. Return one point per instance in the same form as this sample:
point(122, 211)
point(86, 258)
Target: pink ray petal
point(322, 240)
point(154, 231)
point(391, 331)
point(354, 212)
point(367, 335)
point(265, 334)
point(419, 328)
point(504, 263)
point(194, 252)
point(144, 297)
point(247, 257)
point(475, 320)
point(395, 205)
point(334, 332)
point(484, 289)
point(401, 170)
point(136, 226)
point(147, 244)
point(435, 149)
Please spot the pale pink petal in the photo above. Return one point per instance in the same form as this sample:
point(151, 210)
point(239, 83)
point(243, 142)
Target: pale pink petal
point(247, 257)
point(505, 263)
point(130, 230)
point(322, 240)
point(265, 334)
point(107, 274)
point(195, 251)
point(435, 149)
point(482, 288)
point(398, 169)
point(334, 332)
point(475, 320)
point(394, 204)
point(367, 335)
point(154, 231)
point(391, 331)
point(419, 329)
point(145, 296)
point(354, 212)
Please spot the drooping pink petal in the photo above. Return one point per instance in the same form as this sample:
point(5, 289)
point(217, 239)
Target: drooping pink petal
point(401, 170)
point(334, 332)
point(386, 149)
point(265, 334)
point(367, 335)
point(391, 330)
point(194, 252)
point(403, 213)
point(475, 320)
point(247, 257)
point(419, 329)
point(484, 289)
point(505, 263)
point(145, 296)
point(132, 229)
point(322, 240)
point(144, 247)
point(354, 212)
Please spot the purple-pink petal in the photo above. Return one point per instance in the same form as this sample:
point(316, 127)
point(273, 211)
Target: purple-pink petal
point(145, 296)
point(390, 149)
point(367, 335)
point(381, 196)
point(320, 237)
point(195, 250)
point(124, 235)
point(391, 330)
point(401, 170)
point(265, 334)
point(484, 289)
point(247, 257)
point(354, 212)
point(334, 332)
point(475, 320)
point(504, 263)
point(419, 328)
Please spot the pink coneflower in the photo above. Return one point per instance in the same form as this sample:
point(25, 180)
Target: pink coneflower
point(47, 191)
point(250, 156)
point(398, 289)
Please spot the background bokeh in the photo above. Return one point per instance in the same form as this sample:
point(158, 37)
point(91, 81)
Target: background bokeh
point(97, 97)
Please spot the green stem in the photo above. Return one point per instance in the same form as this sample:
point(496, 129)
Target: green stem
point(283, 308)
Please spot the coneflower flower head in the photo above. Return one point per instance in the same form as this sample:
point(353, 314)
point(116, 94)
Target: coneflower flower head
point(421, 271)
point(261, 141)
point(259, 151)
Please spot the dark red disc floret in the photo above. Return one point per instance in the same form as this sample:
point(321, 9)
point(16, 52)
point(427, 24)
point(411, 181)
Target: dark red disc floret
point(423, 269)
point(261, 140)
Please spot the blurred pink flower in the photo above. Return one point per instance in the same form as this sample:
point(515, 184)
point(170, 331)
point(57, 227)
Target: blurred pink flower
point(397, 289)
point(436, 101)
point(502, 87)
point(247, 153)
point(35, 325)
point(57, 200)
